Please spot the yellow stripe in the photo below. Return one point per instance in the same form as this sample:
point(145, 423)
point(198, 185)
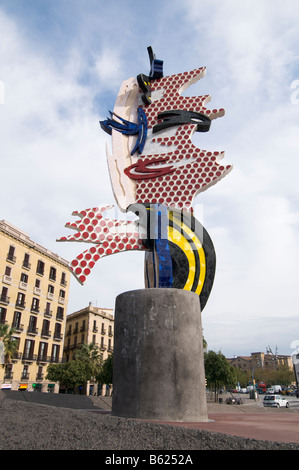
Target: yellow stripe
point(177, 238)
point(200, 250)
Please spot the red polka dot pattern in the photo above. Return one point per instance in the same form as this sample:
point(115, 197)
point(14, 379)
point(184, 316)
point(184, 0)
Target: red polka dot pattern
point(196, 169)
point(110, 236)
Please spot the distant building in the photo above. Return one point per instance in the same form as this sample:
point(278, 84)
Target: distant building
point(90, 325)
point(34, 289)
point(262, 360)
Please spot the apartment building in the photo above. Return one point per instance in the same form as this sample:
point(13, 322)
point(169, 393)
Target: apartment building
point(262, 360)
point(34, 289)
point(90, 325)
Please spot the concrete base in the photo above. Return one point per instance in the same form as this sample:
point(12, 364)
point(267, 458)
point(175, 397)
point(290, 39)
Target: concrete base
point(158, 356)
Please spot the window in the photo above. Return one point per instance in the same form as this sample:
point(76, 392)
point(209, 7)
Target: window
point(39, 375)
point(46, 328)
point(8, 271)
point(2, 314)
point(32, 325)
point(26, 263)
point(8, 372)
point(35, 305)
point(55, 353)
point(57, 331)
point(50, 289)
point(25, 373)
point(60, 312)
point(7, 276)
point(40, 269)
point(11, 254)
point(63, 279)
point(48, 310)
point(20, 300)
point(17, 320)
point(52, 274)
point(24, 278)
point(50, 294)
point(4, 297)
point(28, 349)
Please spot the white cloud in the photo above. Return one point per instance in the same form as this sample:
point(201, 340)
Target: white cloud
point(53, 150)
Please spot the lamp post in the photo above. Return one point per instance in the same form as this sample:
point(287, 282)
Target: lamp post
point(253, 380)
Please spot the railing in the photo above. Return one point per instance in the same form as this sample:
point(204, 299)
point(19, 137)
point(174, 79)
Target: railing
point(4, 299)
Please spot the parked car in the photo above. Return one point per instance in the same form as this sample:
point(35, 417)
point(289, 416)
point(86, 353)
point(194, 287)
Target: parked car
point(270, 391)
point(275, 401)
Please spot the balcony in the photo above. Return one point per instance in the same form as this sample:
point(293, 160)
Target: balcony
point(43, 358)
point(46, 334)
point(50, 296)
point(24, 376)
point(58, 336)
point(37, 291)
point(8, 375)
point(34, 309)
point(4, 299)
point(20, 304)
point(32, 330)
point(28, 356)
point(18, 327)
point(10, 258)
point(48, 313)
point(26, 265)
point(23, 285)
point(61, 300)
point(6, 279)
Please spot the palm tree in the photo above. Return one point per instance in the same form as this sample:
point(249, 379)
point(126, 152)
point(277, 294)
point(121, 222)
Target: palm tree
point(10, 343)
point(91, 356)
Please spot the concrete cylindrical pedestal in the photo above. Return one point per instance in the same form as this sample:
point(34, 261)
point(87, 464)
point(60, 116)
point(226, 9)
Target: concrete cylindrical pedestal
point(158, 356)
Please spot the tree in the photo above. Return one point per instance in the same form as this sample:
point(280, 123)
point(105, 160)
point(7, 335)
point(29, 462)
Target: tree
point(11, 345)
point(218, 372)
point(85, 366)
point(91, 357)
point(70, 374)
point(105, 376)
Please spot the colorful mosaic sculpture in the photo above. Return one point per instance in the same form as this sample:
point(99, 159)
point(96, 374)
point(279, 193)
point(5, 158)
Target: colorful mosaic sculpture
point(156, 172)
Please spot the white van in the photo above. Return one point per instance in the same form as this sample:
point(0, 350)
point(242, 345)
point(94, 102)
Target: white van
point(277, 388)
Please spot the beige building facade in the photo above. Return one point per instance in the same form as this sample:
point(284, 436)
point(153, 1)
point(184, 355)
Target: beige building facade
point(90, 325)
point(260, 360)
point(34, 289)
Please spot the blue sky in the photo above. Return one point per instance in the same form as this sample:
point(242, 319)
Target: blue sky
point(61, 65)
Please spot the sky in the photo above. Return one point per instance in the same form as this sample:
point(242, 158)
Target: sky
point(61, 65)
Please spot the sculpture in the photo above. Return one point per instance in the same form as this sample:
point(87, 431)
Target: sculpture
point(156, 172)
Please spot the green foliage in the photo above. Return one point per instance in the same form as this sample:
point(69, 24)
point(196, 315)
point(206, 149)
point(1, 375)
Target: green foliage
point(218, 371)
point(11, 345)
point(86, 365)
point(106, 374)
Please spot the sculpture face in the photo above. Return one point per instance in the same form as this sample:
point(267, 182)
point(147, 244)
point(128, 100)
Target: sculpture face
point(156, 172)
